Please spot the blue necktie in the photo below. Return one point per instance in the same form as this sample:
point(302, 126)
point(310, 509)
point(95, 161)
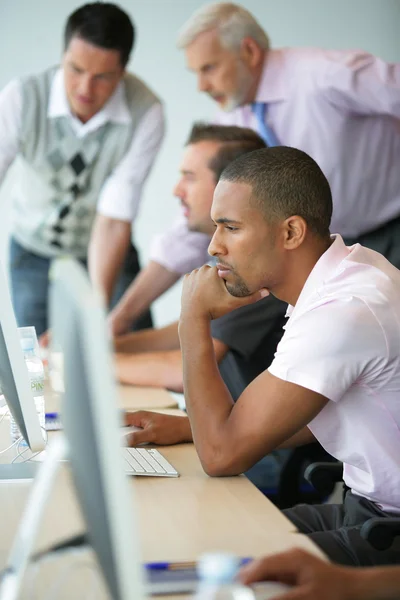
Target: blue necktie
point(264, 131)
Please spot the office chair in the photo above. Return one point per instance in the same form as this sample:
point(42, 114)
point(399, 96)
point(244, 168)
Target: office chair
point(380, 532)
point(293, 487)
point(323, 476)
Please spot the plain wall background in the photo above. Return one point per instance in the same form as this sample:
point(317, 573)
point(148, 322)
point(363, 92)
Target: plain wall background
point(31, 40)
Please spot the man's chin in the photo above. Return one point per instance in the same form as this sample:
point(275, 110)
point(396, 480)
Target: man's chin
point(236, 291)
point(225, 103)
point(195, 227)
point(229, 105)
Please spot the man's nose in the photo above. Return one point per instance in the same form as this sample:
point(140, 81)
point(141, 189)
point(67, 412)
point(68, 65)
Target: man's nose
point(215, 248)
point(86, 86)
point(203, 85)
point(178, 190)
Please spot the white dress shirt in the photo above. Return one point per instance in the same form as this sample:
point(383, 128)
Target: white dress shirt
point(121, 193)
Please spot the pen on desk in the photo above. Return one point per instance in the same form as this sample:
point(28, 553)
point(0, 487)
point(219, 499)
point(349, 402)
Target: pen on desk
point(164, 566)
point(177, 566)
point(51, 415)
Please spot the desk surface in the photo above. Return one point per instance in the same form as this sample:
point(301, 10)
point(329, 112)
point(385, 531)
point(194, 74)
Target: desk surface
point(178, 518)
point(138, 397)
point(133, 397)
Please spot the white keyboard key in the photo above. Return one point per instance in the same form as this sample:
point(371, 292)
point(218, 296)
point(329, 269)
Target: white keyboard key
point(148, 457)
point(142, 461)
point(133, 464)
point(163, 462)
point(129, 469)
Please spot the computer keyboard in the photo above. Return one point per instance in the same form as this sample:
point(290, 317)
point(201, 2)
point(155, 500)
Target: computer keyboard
point(143, 461)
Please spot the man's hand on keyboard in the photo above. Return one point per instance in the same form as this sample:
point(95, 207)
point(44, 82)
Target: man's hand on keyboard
point(157, 428)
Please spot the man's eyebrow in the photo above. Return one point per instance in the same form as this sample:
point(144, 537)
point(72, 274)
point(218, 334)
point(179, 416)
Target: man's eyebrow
point(202, 67)
point(102, 74)
point(225, 220)
point(187, 172)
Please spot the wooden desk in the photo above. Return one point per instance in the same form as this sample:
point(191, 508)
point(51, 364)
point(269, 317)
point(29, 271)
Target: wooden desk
point(132, 397)
point(200, 513)
point(178, 519)
point(137, 397)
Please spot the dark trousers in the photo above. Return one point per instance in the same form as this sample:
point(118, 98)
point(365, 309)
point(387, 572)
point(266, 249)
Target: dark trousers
point(29, 275)
point(385, 240)
point(335, 528)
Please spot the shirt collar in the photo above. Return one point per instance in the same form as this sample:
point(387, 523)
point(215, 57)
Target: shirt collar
point(322, 270)
point(273, 84)
point(116, 109)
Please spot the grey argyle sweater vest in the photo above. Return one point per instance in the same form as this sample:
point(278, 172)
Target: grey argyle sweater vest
point(60, 175)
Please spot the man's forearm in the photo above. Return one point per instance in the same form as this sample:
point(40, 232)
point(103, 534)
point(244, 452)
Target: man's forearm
point(149, 340)
point(208, 401)
point(108, 247)
point(155, 369)
point(151, 282)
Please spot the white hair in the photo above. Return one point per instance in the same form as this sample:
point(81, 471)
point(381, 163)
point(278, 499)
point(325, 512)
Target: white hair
point(232, 22)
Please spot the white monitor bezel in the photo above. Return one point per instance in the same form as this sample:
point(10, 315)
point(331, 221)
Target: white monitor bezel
point(34, 435)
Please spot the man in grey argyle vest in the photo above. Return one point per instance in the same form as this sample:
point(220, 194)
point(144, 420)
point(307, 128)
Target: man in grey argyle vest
point(85, 138)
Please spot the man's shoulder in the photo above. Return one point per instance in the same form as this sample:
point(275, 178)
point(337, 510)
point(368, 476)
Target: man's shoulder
point(310, 55)
point(37, 86)
point(368, 272)
point(46, 75)
point(309, 68)
point(353, 305)
point(316, 64)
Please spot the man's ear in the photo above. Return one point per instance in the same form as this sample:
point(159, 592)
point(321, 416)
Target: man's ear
point(251, 53)
point(295, 229)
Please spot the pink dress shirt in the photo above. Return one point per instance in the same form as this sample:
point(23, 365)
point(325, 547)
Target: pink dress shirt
point(343, 109)
point(342, 340)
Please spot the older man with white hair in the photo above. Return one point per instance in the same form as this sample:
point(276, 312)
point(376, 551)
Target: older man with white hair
point(341, 107)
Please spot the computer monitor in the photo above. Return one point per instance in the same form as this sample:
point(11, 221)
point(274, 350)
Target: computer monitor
point(91, 420)
point(90, 441)
point(15, 385)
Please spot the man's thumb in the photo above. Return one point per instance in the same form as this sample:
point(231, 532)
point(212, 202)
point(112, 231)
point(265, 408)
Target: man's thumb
point(135, 438)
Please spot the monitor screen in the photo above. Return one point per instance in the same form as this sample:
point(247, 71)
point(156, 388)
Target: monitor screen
point(91, 423)
point(15, 385)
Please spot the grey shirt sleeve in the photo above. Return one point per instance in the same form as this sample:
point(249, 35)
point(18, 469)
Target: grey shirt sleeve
point(244, 329)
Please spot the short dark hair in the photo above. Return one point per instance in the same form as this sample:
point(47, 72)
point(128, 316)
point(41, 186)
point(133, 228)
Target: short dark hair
point(102, 24)
point(235, 141)
point(285, 182)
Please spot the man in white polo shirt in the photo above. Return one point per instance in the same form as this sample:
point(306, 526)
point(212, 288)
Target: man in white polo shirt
point(336, 372)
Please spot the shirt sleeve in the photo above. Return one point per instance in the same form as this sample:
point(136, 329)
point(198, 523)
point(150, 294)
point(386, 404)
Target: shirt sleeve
point(121, 192)
point(245, 328)
point(180, 250)
point(330, 347)
point(10, 124)
point(364, 84)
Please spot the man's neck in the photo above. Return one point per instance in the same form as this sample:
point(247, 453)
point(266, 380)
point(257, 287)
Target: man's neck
point(83, 120)
point(300, 270)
